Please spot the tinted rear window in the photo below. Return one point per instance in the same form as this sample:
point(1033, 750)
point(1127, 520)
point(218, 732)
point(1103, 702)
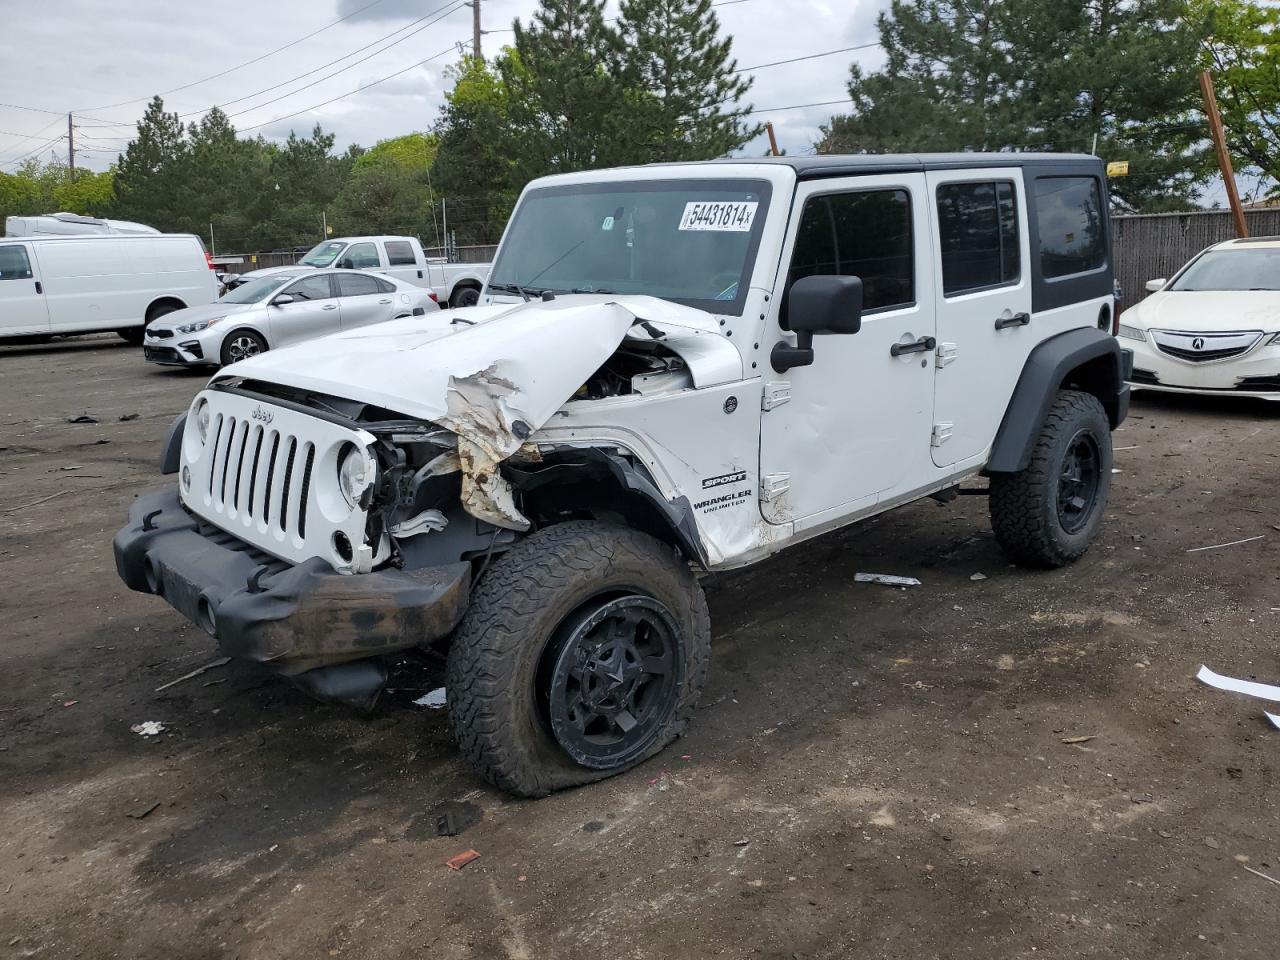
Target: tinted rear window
point(1071, 225)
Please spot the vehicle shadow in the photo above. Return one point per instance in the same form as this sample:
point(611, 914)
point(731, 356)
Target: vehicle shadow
point(1152, 400)
point(66, 345)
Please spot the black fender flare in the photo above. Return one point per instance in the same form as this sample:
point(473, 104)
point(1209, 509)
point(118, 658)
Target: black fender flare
point(171, 452)
point(1088, 358)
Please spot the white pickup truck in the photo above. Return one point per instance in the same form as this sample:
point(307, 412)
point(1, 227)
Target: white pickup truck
point(454, 284)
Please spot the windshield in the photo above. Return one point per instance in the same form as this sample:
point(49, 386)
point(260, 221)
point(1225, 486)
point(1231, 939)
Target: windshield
point(322, 254)
point(255, 291)
point(690, 241)
point(1257, 269)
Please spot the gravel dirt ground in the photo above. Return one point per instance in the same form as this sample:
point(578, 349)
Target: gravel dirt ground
point(873, 772)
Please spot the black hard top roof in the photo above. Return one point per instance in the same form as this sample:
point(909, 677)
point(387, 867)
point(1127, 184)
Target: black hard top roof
point(862, 164)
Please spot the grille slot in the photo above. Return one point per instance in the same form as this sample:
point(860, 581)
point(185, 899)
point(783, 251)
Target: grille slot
point(306, 490)
point(271, 475)
point(283, 516)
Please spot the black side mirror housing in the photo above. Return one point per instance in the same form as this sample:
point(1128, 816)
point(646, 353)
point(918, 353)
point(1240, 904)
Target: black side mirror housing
point(818, 304)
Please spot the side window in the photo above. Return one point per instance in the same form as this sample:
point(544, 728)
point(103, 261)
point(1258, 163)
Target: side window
point(310, 288)
point(384, 286)
point(14, 264)
point(361, 256)
point(1070, 221)
point(400, 253)
point(865, 234)
point(978, 234)
point(356, 285)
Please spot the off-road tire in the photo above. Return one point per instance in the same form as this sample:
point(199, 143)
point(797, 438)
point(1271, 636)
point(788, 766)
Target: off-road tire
point(1024, 505)
point(514, 611)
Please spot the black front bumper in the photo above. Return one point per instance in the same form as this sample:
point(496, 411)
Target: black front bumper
point(291, 618)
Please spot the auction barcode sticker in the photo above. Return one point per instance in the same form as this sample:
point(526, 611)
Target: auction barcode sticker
point(723, 215)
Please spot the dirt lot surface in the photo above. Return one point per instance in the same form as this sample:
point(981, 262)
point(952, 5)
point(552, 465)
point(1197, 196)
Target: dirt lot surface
point(874, 772)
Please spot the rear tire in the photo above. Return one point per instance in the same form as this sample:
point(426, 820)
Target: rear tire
point(580, 625)
point(1047, 515)
point(132, 335)
point(465, 297)
point(241, 344)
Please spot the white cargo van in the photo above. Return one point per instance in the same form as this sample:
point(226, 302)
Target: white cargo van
point(55, 286)
point(71, 224)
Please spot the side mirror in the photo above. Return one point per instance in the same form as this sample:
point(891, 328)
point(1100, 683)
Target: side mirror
point(344, 264)
point(1155, 286)
point(281, 300)
point(820, 304)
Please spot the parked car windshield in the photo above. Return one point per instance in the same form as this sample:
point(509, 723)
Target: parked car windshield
point(1257, 269)
point(690, 241)
point(322, 254)
point(255, 291)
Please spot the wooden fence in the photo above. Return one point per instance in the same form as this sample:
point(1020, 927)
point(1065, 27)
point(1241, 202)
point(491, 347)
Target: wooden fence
point(1149, 246)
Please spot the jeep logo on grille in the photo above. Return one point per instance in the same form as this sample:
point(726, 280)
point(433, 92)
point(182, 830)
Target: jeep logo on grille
point(1197, 343)
point(259, 413)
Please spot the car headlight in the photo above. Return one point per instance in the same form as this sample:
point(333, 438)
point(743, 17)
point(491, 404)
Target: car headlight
point(356, 473)
point(202, 420)
point(1127, 332)
point(199, 325)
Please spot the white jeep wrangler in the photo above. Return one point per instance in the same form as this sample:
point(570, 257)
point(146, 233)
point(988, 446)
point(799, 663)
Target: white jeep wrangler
point(674, 369)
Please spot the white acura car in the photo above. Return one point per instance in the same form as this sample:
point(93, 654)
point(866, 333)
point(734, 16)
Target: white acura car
point(278, 310)
point(1215, 327)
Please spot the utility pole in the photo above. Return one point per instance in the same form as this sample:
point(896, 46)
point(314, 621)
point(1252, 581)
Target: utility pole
point(444, 212)
point(773, 141)
point(71, 144)
point(1220, 146)
point(475, 29)
point(213, 244)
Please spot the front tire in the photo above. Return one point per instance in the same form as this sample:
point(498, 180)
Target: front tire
point(241, 344)
point(1047, 515)
point(581, 655)
point(465, 297)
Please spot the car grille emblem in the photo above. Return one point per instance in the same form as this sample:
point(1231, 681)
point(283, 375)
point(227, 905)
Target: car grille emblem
point(1197, 343)
point(266, 416)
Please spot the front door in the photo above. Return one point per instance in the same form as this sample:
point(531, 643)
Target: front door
point(313, 313)
point(856, 426)
point(22, 305)
point(985, 327)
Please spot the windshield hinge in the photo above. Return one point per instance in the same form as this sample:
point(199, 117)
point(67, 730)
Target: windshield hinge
point(776, 393)
point(773, 486)
point(946, 353)
point(941, 433)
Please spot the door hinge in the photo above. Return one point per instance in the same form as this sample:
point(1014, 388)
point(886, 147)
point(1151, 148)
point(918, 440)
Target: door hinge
point(941, 433)
point(776, 393)
point(773, 486)
point(946, 353)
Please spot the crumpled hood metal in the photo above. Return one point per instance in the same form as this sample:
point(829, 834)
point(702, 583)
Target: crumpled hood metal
point(493, 382)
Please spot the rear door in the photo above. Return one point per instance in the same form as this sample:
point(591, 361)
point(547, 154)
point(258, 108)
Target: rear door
point(22, 305)
point(403, 263)
point(985, 326)
point(364, 299)
point(314, 311)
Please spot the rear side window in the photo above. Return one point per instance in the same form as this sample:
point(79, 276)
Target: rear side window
point(361, 256)
point(357, 285)
point(1071, 224)
point(978, 234)
point(867, 235)
point(399, 253)
point(14, 264)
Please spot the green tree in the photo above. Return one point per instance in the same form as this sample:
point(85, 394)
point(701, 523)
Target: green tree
point(690, 108)
point(1242, 50)
point(1039, 74)
point(17, 196)
point(87, 193)
point(149, 174)
point(385, 195)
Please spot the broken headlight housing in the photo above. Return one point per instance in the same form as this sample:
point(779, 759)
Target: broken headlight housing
point(356, 474)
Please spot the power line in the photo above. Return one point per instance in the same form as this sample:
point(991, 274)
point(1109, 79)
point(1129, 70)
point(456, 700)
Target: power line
point(18, 145)
point(258, 59)
point(812, 56)
point(797, 106)
point(26, 156)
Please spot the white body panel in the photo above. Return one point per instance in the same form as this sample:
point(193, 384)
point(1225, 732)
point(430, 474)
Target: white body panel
point(90, 283)
point(71, 224)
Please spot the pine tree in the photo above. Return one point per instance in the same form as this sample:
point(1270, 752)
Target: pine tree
point(673, 50)
point(148, 178)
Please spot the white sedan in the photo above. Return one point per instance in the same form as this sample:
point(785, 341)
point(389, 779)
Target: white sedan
point(1215, 327)
point(278, 310)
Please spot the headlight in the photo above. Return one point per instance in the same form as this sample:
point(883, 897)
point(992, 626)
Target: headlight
point(1127, 332)
point(355, 474)
point(199, 325)
point(202, 421)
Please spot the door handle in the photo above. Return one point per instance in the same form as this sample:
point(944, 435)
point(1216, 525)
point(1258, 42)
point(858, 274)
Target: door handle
point(330, 306)
point(384, 300)
point(923, 345)
point(39, 289)
point(1017, 320)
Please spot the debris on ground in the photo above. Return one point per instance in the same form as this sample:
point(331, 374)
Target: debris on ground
point(435, 700)
point(36, 503)
point(69, 703)
point(148, 728)
point(1263, 691)
point(1233, 543)
point(1084, 739)
point(126, 417)
point(83, 418)
point(211, 665)
point(142, 812)
point(1259, 873)
point(978, 576)
point(460, 860)
point(887, 579)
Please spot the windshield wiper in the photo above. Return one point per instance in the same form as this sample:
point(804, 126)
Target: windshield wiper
point(593, 290)
point(512, 288)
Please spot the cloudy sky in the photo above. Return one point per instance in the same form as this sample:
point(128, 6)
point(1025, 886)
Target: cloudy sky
point(72, 55)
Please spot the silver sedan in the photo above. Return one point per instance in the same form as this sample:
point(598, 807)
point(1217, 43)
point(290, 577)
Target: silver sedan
point(278, 310)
